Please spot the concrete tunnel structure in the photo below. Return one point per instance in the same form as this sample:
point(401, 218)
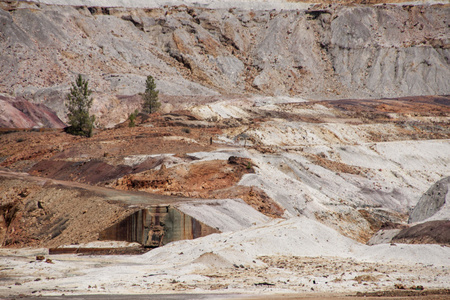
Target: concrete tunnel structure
point(163, 219)
point(156, 226)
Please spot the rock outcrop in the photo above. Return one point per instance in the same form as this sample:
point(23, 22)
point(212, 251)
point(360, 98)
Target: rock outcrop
point(430, 220)
point(432, 232)
point(323, 52)
point(432, 201)
point(21, 113)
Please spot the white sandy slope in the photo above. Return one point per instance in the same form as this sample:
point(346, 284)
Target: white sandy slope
point(197, 263)
point(225, 214)
point(396, 175)
point(393, 174)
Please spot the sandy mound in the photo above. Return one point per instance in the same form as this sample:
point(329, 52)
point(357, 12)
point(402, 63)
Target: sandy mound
point(213, 261)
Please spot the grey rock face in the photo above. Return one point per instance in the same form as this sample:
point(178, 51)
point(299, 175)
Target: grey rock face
point(388, 51)
point(340, 52)
point(431, 201)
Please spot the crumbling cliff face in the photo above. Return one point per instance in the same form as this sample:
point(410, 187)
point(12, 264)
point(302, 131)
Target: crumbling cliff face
point(323, 52)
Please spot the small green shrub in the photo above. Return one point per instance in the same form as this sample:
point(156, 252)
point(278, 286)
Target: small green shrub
point(132, 118)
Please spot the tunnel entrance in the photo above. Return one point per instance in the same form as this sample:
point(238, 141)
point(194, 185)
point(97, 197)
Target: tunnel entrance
point(157, 226)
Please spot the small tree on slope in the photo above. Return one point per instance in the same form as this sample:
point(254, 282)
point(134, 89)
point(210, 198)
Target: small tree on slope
point(150, 96)
point(78, 103)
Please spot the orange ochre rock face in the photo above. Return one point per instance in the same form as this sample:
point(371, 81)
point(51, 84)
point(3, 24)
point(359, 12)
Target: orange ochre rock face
point(208, 179)
point(196, 178)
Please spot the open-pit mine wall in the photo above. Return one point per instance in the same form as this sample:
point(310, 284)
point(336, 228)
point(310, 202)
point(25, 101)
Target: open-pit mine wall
point(328, 51)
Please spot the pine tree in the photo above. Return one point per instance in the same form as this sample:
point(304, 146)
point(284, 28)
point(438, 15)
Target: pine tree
point(150, 96)
point(78, 104)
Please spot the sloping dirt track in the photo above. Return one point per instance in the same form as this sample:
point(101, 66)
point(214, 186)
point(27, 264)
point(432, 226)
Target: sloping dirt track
point(42, 213)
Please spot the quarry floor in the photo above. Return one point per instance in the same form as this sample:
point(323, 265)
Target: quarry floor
point(297, 277)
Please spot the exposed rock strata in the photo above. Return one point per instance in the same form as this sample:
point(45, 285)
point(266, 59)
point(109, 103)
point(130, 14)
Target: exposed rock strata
point(337, 52)
point(20, 113)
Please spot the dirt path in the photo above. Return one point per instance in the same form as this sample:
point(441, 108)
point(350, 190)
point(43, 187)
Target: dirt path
point(126, 197)
point(42, 212)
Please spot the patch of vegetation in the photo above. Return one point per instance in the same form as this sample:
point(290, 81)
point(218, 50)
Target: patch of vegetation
point(132, 118)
